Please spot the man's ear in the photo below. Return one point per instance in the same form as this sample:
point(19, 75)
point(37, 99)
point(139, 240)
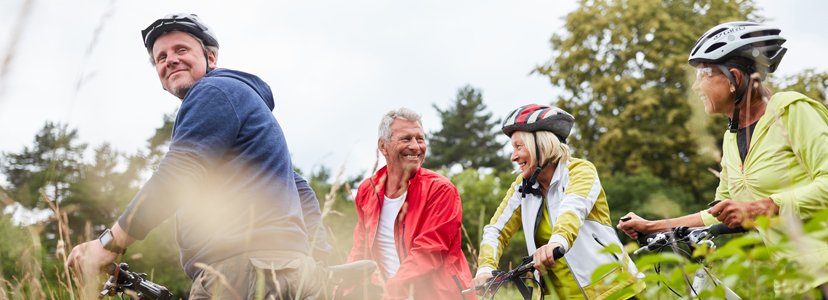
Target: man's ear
point(381, 147)
point(212, 60)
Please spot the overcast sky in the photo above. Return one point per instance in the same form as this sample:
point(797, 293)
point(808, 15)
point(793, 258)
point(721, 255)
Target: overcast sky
point(335, 66)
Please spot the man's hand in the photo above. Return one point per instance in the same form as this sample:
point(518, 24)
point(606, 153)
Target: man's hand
point(480, 280)
point(90, 258)
point(631, 224)
point(544, 258)
point(736, 213)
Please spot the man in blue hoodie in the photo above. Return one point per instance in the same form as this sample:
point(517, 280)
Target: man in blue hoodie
point(242, 213)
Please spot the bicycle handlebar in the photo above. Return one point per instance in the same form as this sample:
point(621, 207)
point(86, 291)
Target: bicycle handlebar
point(721, 228)
point(121, 280)
point(501, 277)
point(683, 234)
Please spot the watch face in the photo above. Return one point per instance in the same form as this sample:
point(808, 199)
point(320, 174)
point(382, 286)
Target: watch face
point(105, 237)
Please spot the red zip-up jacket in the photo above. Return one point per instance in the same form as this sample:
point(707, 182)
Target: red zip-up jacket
point(427, 235)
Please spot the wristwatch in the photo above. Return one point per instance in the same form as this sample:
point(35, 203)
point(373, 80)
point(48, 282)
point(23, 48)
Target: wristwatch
point(108, 242)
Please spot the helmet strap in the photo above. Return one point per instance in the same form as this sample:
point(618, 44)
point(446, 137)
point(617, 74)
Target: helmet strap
point(739, 95)
point(528, 185)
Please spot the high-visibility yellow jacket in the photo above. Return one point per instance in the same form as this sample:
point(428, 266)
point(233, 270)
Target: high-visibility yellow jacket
point(787, 160)
point(579, 215)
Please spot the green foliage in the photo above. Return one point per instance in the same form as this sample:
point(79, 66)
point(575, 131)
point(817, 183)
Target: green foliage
point(623, 67)
point(809, 82)
point(648, 196)
point(744, 263)
point(341, 217)
point(48, 167)
point(101, 192)
point(157, 255)
point(468, 136)
point(12, 254)
point(481, 195)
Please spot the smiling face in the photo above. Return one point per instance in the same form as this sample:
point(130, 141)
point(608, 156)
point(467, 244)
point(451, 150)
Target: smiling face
point(521, 155)
point(714, 89)
point(180, 61)
point(406, 149)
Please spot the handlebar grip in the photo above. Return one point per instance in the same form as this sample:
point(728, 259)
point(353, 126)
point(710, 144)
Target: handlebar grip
point(558, 253)
point(719, 229)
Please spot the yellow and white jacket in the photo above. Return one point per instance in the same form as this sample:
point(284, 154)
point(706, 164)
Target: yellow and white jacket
point(579, 215)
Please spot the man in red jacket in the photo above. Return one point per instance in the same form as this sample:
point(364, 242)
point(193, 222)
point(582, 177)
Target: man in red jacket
point(410, 218)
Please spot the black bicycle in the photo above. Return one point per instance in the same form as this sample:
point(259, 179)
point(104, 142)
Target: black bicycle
point(517, 276)
point(132, 285)
point(691, 237)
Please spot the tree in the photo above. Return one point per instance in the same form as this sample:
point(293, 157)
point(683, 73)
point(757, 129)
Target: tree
point(468, 136)
point(623, 68)
point(49, 166)
point(481, 195)
point(809, 82)
point(101, 191)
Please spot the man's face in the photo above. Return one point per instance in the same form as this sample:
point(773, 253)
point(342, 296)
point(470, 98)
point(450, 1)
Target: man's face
point(406, 149)
point(180, 62)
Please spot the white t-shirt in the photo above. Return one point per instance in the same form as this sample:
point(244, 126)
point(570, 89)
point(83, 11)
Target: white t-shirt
point(385, 235)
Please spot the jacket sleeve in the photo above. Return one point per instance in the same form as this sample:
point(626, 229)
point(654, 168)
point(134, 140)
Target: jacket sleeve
point(807, 127)
point(722, 193)
point(205, 129)
point(580, 196)
point(505, 222)
point(359, 248)
point(313, 218)
point(427, 250)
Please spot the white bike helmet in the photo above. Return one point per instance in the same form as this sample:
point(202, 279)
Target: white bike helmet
point(189, 23)
point(759, 47)
point(759, 43)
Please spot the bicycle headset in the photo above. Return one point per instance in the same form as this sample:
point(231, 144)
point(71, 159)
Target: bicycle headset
point(758, 43)
point(533, 118)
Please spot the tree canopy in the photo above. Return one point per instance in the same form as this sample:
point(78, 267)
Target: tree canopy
point(469, 135)
point(623, 68)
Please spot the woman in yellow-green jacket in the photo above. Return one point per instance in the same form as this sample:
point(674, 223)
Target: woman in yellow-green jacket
point(559, 202)
point(775, 152)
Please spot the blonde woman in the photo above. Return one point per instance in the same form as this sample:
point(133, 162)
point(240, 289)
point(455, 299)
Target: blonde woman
point(558, 201)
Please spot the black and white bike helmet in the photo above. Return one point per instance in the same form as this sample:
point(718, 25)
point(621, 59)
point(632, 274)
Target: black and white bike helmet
point(534, 117)
point(757, 42)
point(189, 23)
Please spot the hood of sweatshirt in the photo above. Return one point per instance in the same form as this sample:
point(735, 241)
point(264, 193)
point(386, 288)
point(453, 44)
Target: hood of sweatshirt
point(256, 83)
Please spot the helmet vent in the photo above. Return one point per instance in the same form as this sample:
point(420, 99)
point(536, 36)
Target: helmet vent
point(712, 34)
point(769, 32)
point(714, 47)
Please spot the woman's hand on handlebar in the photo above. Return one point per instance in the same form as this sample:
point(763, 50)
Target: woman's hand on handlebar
point(544, 257)
point(631, 224)
point(480, 280)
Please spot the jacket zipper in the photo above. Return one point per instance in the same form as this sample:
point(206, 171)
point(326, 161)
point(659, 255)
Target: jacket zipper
point(604, 246)
point(459, 286)
point(401, 252)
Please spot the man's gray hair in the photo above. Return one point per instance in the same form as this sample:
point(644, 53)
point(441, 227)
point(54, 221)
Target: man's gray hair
point(402, 113)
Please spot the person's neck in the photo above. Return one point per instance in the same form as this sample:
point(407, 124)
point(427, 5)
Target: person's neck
point(545, 177)
point(757, 110)
point(396, 182)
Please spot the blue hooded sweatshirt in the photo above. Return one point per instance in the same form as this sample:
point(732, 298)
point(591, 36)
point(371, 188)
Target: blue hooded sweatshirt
point(227, 176)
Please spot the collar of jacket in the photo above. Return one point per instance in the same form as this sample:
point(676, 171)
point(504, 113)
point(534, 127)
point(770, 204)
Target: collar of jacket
point(380, 177)
point(559, 179)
